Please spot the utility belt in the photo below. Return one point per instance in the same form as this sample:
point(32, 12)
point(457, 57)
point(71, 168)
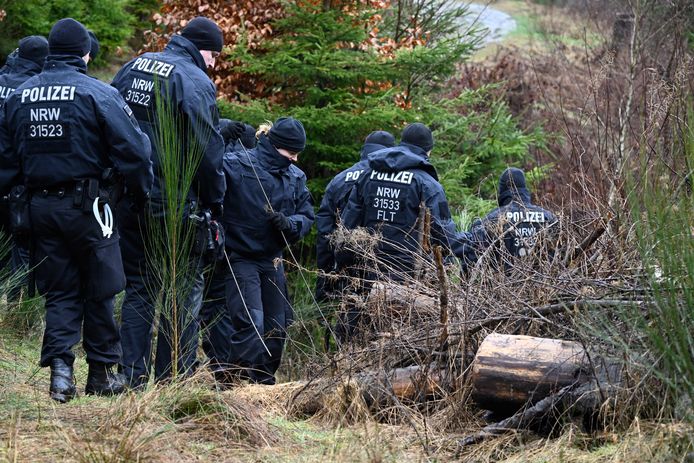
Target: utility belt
point(83, 192)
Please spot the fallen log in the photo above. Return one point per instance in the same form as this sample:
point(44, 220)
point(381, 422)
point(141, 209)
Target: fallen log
point(585, 399)
point(511, 371)
point(376, 389)
point(401, 299)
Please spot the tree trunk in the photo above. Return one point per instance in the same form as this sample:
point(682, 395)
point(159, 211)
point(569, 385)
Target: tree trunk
point(510, 371)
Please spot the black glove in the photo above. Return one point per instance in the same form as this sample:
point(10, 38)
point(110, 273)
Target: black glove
point(280, 222)
point(231, 130)
point(217, 211)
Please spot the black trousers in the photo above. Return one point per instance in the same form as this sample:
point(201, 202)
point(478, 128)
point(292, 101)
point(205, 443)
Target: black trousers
point(215, 319)
point(177, 337)
point(78, 271)
point(260, 313)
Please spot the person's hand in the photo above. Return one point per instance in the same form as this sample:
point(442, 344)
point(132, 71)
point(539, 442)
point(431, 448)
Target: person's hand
point(280, 222)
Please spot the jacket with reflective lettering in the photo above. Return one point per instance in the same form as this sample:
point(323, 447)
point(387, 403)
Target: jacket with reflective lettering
point(254, 177)
point(387, 198)
point(18, 73)
point(62, 125)
point(188, 102)
point(334, 201)
point(516, 223)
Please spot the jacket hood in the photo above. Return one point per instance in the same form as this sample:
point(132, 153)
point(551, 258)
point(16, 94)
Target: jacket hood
point(268, 156)
point(56, 62)
point(369, 148)
point(400, 158)
point(182, 46)
point(512, 187)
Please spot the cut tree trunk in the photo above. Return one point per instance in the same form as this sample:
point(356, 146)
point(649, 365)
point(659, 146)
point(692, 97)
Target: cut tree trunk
point(511, 371)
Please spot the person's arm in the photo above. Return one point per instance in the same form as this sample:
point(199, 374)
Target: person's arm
point(303, 217)
point(443, 229)
point(207, 143)
point(10, 165)
point(129, 148)
point(326, 222)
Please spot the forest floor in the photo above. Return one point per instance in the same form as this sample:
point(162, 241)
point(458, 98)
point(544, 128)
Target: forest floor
point(195, 422)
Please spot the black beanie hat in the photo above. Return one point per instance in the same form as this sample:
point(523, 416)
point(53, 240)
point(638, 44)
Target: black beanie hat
point(381, 137)
point(69, 37)
point(34, 48)
point(94, 45)
point(204, 34)
point(418, 134)
point(288, 133)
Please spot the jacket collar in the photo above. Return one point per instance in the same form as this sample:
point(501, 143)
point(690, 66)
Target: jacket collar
point(519, 195)
point(269, 157)
point(65, 62)
point(399, 158)
point(369, 148)
point(184, 47)
point(25, 67)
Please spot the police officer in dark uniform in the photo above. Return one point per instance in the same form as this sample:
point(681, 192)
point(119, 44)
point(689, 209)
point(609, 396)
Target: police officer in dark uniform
point(28, 62)
point(514, 227)
point(333, 203)
point(387, 198)
point(179, 75)
point(9, 62)
point(267, 208)
point(62, 136)
point(215, 320)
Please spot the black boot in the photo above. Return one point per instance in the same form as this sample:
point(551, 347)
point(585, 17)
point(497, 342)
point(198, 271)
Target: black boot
point(62, 381)
point(102, 381)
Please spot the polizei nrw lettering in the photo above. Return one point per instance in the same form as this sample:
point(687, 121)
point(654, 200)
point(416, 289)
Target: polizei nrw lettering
point(395, 177)
point(5, 92)
point(153, 66)
point(48, 93)
point(526, 216)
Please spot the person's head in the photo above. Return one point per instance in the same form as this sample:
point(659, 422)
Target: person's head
point(33, 48)
point(419, 135)
point(94, 46)
point(512, 186)
point(288, 136)
point(69, 37)
point(381, 137)
point(206, 36)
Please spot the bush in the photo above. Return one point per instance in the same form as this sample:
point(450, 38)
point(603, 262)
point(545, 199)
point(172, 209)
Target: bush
point(110, 20)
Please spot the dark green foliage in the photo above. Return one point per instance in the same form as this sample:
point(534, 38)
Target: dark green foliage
point(110, 20)
point(315, 59)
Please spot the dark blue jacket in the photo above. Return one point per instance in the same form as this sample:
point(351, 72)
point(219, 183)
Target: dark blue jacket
point(180, 74)
point(18, 73)
point(254, 177)
point(333, 203)
point(61, 125)
point(10, 62)
point(387, 199)
point(515, 223)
